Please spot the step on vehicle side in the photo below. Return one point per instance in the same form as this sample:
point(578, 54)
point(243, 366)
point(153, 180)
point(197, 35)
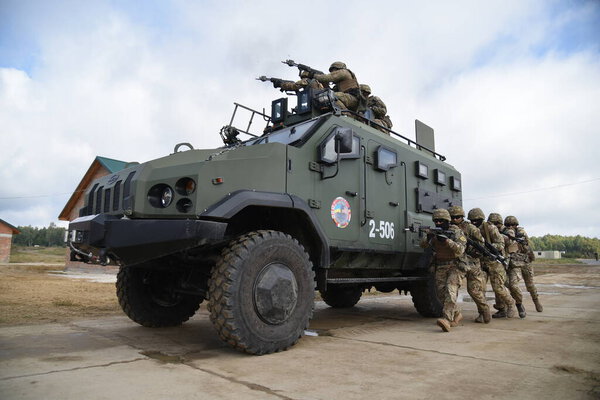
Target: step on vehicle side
point(322, 198)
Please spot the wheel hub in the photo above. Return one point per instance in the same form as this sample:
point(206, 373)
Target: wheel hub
point(275, 293)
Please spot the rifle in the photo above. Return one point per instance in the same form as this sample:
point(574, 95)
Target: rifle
point(488, 250)
point(302, 67)
point(518, 238)
point(276, 81)
point(438, 232)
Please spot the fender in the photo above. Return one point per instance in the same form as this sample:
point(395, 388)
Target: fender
point(234, 202)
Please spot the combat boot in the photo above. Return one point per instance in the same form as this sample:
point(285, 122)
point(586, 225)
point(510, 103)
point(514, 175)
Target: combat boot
point(510, 312)
point(500, 314)
point(521, 309)
point(444, 324)
point(457, 318)
point(538, 305)
point(487, 316)
point(479, 319)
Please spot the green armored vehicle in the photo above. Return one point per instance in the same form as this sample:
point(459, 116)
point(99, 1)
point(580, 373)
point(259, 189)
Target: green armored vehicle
point(321, 199)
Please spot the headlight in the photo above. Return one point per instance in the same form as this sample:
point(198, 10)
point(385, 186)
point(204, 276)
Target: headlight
point(160, 196)
point(167, 197)
point(185, 186)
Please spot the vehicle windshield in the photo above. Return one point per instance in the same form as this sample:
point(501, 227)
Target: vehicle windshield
point(291, 135)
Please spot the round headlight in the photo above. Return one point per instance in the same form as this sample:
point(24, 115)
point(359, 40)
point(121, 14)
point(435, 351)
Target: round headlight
point(166, 197)
point(161, 195)
point(185, 186)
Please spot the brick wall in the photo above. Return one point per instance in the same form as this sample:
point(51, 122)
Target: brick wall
point(5, 243)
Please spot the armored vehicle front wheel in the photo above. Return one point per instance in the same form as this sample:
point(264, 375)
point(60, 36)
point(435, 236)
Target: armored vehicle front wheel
point(424, 297)
point(262, 292)
point(151, 298)
point(342, 296)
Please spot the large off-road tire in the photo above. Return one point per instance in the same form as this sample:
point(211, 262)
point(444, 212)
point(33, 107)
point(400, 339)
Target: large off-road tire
point(425, 298)
point(261, 292)
point(148, 297)
point(342, 296)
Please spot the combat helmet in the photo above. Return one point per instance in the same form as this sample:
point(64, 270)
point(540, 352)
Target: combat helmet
point(456, 211)
point(337, 65)
point(495, 218)
point(511, 220)
point(365, 88)
point(441, 213)
point(476, 213)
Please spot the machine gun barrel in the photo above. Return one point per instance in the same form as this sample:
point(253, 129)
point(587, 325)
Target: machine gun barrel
point(303, 67)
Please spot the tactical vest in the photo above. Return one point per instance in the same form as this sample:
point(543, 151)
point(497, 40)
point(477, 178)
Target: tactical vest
point(513, 246)
point(443, 252)
point(348, 85)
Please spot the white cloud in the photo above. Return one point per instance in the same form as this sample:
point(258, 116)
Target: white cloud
point(509, 114)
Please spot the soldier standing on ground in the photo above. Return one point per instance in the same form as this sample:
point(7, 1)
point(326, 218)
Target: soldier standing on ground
point(346, 86)
point(520, 260)
point(446, 261)
point(476, 277)
point(377, 106)
point(496, 271)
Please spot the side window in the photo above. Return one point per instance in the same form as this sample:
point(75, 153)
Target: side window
point(386, 159)
point(327, 153)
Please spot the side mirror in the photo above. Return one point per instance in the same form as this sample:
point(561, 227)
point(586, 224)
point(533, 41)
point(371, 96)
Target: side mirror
point(343, 141)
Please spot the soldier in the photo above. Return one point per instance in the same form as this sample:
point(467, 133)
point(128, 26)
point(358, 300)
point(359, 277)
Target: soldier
point(303, 83)
point(496, 271)
point(476, 277)
point(346, 86)
point(377, 106)
point(448, 276)
point(520, 260)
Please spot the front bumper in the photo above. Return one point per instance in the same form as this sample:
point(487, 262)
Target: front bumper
point(132, 241)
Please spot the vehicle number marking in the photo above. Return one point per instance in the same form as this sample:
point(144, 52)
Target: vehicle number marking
point(385, 230)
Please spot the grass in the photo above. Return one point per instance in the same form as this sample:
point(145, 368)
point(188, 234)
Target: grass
point(49, 255)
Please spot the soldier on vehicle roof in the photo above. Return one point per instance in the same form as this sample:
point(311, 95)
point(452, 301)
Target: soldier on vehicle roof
point(377, 106)
point(346, 86)
point(476, 277)
point(448, 251)
point(304, 82)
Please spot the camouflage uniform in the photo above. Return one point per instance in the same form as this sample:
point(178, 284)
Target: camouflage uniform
point(378, 107)
point(476, 277)
point(448, 273)
point(495, 269)
point(520, 260)
point(346, 86)
point(303, 83)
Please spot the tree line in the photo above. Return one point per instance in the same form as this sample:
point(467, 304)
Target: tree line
point(52, 236)
point(573, 246)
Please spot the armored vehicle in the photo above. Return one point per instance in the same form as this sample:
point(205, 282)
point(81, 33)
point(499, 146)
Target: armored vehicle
point(321, 199)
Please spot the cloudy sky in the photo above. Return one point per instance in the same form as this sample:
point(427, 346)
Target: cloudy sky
point(512, 89)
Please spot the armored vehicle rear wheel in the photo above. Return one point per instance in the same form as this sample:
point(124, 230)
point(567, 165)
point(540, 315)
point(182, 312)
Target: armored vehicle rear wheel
point(150, 297)
point(262, 292)
point(342, 296)
point(424, 297)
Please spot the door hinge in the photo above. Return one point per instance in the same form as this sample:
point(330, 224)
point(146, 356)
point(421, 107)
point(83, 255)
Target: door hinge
point(314, 166)
point(314, 203)
point(369, 159)
point(369, 214)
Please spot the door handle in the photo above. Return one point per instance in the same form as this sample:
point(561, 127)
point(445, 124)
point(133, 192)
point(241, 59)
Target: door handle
point(353, 194)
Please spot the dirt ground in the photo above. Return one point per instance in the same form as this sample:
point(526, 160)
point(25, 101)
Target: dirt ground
point(380, 349)
point(31, 294)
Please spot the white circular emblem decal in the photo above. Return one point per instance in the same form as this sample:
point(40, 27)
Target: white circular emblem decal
point(341, 212)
